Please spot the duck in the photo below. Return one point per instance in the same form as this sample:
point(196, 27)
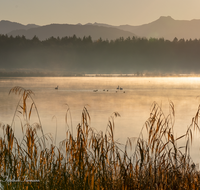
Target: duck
point(56, 88)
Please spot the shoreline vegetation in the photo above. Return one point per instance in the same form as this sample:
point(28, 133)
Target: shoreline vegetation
point(88, 159)
point(57, 74)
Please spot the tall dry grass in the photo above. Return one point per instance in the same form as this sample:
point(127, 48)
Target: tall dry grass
point(91, 160)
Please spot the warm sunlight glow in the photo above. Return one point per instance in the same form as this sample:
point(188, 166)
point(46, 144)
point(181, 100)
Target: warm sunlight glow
point(111, 12)
point(99, 94)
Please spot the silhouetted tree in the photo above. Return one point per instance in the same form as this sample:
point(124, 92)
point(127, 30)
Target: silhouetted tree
point(75, 54)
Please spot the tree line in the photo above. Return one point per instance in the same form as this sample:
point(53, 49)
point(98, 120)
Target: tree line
point(83, 55)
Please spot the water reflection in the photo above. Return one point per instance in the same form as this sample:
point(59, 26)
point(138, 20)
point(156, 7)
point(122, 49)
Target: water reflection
point(133, 106)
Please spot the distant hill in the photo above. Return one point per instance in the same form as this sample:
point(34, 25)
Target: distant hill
point(7, 26)
point(168, 28)
point(62, 30)
point(164, 27)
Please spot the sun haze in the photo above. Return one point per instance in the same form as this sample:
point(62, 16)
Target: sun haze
point(115, 12)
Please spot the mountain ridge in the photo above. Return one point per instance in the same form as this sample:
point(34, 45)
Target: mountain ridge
point(164, 27)
point(168, 28)
point(62, 30)
point(8, 26)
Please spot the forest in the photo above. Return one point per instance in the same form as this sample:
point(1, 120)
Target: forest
point(73, 55)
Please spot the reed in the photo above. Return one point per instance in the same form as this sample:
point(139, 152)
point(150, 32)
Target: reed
point(94, 160)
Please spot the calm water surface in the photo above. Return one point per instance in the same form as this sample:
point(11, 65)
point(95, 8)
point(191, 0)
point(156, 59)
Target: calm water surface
point(133, 105)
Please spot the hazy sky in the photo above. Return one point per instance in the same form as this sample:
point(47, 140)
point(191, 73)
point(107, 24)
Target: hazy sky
point(115, 12)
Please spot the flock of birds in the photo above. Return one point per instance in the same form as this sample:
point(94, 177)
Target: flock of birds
point(118, 88)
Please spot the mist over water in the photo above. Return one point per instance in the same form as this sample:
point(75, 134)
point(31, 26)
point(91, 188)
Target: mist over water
point(134, 105)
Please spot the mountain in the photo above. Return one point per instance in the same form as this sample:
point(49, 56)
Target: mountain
point(166, 27)
point(62, 30)
point(101, 24)
point(7, 26)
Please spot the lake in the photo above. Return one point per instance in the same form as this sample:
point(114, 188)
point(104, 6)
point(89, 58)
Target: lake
point(133, 103)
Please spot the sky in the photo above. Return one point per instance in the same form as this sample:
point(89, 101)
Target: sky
point(114, 12)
